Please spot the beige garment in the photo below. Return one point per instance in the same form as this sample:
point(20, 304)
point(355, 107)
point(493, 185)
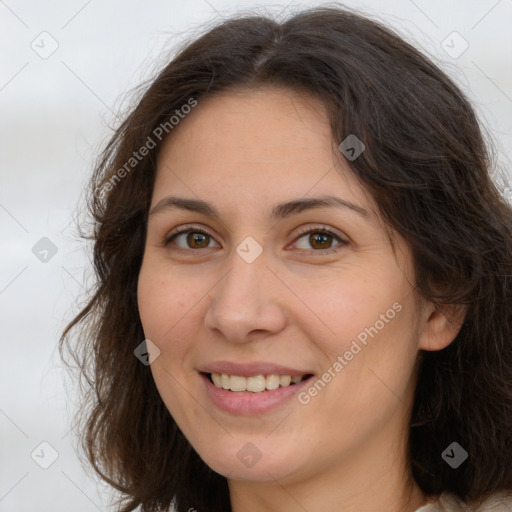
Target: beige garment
point(500, 502)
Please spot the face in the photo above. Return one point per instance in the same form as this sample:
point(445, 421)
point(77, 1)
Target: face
point(248, 279)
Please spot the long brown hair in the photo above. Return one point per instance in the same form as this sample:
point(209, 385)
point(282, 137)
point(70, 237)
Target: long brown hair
point(426, 165)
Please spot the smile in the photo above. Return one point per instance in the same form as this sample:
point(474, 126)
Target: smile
point(252, 395)
point(254, 384)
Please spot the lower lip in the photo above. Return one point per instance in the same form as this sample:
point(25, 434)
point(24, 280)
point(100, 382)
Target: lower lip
point(247, 402)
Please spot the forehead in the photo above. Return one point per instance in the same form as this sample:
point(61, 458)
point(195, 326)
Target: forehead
point(247, 146)
point(252, 125)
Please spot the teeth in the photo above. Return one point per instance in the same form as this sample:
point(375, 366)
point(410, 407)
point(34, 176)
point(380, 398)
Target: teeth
point(217, 379)
point(272, 382)
point(237, 383)
point(284, 380)
point(255, 384)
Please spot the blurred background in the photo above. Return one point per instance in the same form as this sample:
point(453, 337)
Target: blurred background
point(66, 70)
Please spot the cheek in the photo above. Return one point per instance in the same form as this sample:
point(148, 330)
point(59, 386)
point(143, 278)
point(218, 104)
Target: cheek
point(166, 309)
point(369, 321)
point(162, 302)
point(172, 308)
point(345, 307)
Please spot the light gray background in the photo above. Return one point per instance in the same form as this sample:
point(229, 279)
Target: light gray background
point(55, 116)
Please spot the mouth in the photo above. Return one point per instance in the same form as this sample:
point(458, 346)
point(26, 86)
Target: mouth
point(254, 394)
point(254, 384)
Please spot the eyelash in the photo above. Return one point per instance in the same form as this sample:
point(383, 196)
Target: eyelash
point(317, 229)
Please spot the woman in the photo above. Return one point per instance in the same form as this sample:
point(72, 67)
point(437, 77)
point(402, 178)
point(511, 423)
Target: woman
point(303, 282)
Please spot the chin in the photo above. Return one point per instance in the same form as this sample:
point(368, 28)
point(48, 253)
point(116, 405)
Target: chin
point(251, 463)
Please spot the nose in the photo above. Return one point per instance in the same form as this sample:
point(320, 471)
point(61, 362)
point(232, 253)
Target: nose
point(245, 304)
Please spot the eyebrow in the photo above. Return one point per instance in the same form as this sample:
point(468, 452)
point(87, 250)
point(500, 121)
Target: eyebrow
point(280, 211)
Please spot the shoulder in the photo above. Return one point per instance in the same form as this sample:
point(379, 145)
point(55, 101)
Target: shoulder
point(498, 502)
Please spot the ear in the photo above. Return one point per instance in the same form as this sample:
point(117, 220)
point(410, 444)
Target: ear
point(440, 325)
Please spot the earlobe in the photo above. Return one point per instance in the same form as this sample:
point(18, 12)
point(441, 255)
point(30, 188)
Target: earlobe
point(440, 325)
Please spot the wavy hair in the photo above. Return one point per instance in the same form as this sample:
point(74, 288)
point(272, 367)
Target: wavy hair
point(428, 167)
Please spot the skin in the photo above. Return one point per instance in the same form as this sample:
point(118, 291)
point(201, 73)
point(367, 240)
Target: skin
point(296, 305)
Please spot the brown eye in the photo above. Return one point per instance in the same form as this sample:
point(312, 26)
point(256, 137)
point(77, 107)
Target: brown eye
point(200, 239)
point(320, 241)
point(188, 239)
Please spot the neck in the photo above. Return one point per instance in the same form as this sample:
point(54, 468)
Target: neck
point(343, 491)
point(375, 477)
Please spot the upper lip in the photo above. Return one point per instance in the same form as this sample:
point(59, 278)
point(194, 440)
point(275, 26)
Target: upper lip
point(251, 369)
